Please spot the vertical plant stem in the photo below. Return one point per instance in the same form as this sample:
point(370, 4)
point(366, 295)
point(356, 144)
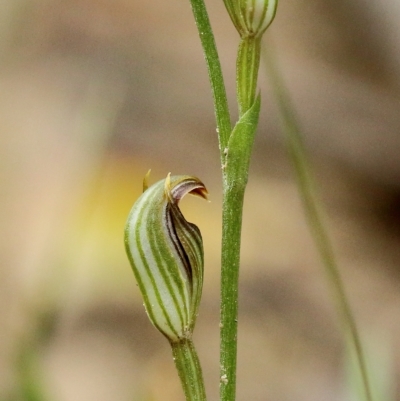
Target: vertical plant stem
point(214, 72)
point(235, 159)
point(231, 235)
point(235, 181)
point(313, 213)
point(189, 370)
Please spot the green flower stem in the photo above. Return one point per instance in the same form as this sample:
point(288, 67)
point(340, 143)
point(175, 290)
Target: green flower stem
point(214, 72)
point(189, 370)
point(314, 217)
point(235, 181)
point(235, 147)
point(232, 225)
point(247, 65)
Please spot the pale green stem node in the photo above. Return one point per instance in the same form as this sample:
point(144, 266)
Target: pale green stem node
point(247, 65)
point(166, 255)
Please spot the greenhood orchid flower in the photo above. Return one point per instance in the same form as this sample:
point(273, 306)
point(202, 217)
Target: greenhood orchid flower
point(166, 254)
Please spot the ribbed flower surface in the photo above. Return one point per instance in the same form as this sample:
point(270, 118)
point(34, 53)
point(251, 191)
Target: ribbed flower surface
point(251, 17)
point(258, 14)
point(166, 254)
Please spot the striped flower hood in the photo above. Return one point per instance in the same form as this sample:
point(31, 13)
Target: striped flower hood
point(166, 255)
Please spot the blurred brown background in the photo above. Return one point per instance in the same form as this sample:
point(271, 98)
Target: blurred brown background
point(95, 92)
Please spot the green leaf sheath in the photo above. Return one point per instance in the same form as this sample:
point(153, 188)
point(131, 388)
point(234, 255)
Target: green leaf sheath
point(166, 255)
point(235, 180)
point(240, 147)
point(188, 366)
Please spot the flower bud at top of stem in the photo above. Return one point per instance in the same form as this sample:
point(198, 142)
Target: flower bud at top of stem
point(251, 17)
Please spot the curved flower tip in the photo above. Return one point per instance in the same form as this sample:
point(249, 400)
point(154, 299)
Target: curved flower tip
point(191, 185)
point(166, 254)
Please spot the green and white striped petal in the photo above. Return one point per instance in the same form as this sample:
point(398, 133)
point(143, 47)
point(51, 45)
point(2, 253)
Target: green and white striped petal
point(166, 254)
point(251, 17)
point(258, 15)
